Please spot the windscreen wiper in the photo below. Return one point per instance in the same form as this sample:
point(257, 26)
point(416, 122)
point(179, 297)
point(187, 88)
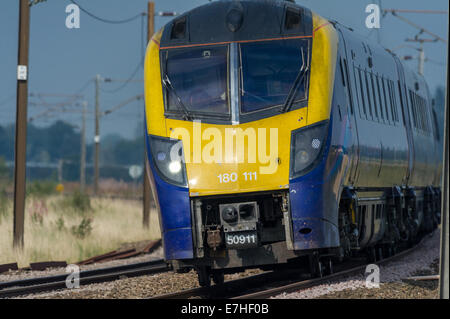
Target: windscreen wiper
point(294, 89)
point(168, 85)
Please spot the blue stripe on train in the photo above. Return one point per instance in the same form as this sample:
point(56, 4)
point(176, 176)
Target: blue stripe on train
point(313, 203)
point(175, 216)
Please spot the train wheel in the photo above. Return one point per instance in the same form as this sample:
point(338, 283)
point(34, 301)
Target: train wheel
point(394, 250)
point(329, 267)
point(320, 269)
point(380, 253)
point(388, 251)
point(204, 277)
point(218, 277)
point(371, 255)
point(316, 266)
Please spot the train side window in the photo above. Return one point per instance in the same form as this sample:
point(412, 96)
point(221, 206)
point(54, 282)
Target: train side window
point(368, 94)
point(357, 90)
point(374, 97)
point(363, 93)
point(413, 112)
point(437, 136)
point(421, 113)
point(427, 118)
point(380, 100)
point(388, 99)
point(385, 98)
point(394, 102)
point(414, 106)
point(413, 109)
point(402, 103)
point(350, 90)
point(391, 98)
point(342, 73)
point(424, 115)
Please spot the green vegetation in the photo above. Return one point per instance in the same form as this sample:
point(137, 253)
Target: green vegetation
point(54, 233)
point(84, 229)
point(5, 204)
point(41, 188)
point(4, 172)
point(76, 204)
point(60, 141)
point(4, 200)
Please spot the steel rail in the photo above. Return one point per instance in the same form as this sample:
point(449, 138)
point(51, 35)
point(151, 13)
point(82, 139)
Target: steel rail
point(229, 287)
point(233, 289)
point(316, 281)
point(45, 284)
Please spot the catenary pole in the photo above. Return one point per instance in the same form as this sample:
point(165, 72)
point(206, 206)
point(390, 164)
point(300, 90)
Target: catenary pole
point(21, 125)
point(443, 278)
point(83, 149)
point(147, 190)
point(97, 133)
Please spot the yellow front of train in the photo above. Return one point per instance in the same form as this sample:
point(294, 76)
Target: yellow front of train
point(225, 89)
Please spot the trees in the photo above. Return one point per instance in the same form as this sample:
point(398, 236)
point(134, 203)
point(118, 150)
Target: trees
point(4, 171)
point(61, 141)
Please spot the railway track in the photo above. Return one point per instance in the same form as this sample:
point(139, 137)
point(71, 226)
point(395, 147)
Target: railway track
point(272, 283)
point(45, 284)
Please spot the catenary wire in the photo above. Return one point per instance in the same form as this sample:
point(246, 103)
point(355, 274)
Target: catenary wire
point(107, 20)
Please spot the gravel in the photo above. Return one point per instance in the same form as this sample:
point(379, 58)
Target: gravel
point(423, 261)
point(134, 288)
point(25, 274)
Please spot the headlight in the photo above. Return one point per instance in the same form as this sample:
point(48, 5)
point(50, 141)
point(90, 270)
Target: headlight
point(171, 168)
point(306, 147)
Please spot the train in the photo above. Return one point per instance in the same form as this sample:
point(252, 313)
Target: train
point(277, 138)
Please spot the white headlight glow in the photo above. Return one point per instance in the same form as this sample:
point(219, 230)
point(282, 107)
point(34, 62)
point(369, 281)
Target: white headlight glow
point(175, 167)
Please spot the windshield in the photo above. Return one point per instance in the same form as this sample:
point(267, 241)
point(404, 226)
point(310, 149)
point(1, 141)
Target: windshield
point(269, 71)
point(199, 78)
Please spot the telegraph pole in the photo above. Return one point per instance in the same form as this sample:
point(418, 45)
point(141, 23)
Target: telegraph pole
point(443, 278)
point(83, 149)
point(21, 124)
point(97, 133)
point(147, 190)
point(421, 57)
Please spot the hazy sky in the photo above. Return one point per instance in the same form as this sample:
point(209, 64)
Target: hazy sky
point(63, 60)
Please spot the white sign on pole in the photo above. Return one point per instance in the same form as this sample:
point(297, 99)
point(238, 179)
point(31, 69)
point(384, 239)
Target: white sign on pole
point(135, 171)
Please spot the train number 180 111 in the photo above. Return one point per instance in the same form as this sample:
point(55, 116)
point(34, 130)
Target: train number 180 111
point(233, 177)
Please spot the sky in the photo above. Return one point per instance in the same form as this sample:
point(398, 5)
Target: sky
point(63, 61)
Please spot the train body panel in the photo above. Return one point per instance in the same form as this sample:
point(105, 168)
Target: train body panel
point(279, 134)
point(383, 144)
point(418, 105)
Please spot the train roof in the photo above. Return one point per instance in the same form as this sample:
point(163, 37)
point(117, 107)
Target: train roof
point(225, 21)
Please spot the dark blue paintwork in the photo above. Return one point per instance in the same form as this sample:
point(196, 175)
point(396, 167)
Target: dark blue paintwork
point(314, 197)
point(175, 216)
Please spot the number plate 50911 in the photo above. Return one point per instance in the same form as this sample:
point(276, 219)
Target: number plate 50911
point(241, 240)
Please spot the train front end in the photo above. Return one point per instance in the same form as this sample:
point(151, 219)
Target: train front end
point(238, 103)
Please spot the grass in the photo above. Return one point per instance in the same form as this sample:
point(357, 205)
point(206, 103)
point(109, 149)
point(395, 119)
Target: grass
point(60, 228)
